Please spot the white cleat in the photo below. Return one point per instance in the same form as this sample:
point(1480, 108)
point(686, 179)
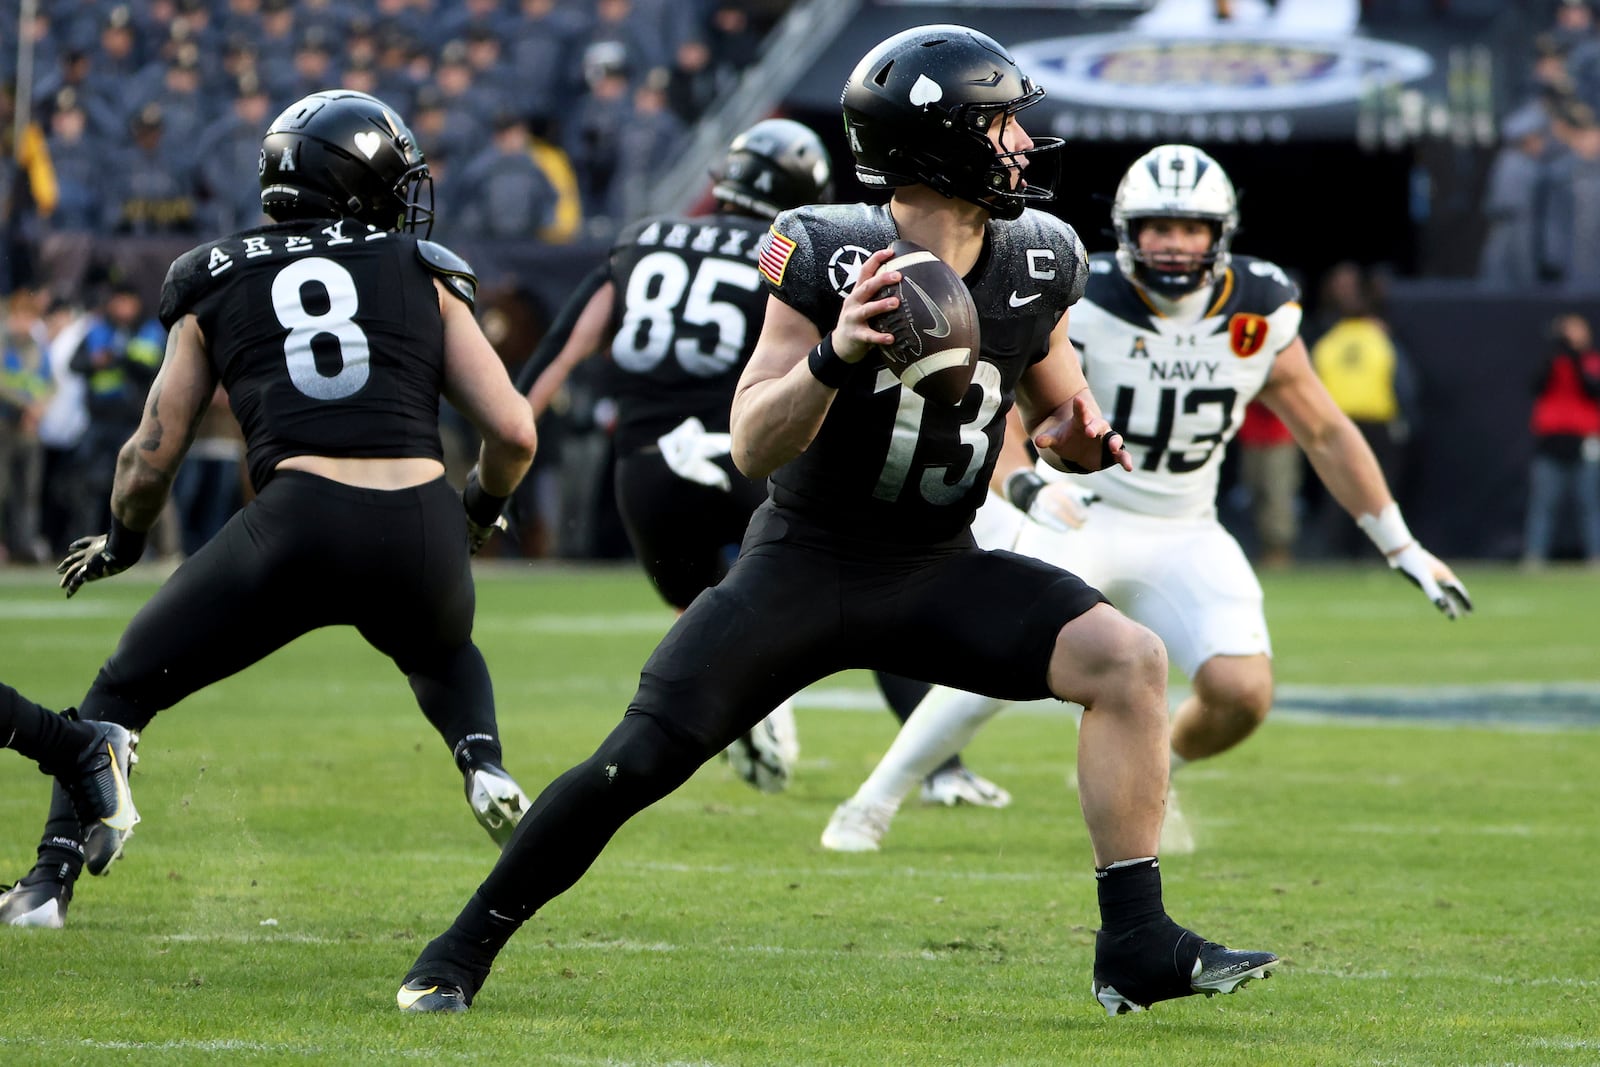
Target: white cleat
point(1177, 839)
point(766, 756)
point(958, 785)
point(857, 826)
point(497, 802)
point(41, 904)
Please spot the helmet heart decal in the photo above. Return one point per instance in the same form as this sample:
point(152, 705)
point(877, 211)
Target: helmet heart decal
point(369, 143)
point(925, 91)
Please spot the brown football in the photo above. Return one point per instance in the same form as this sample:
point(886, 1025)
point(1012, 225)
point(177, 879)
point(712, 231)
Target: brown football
point(935, 326)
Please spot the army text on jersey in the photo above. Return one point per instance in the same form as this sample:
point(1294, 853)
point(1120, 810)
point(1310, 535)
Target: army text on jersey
point(326, 334)
point(688, 310)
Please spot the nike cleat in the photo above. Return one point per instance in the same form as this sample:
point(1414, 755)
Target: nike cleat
point(98, 781)
point(430, 995)
point(1135, 971)
point(38, 900)
point(103, 840)
point(497, 801)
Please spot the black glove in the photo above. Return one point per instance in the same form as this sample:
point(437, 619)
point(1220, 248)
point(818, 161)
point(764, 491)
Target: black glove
point(91, 558)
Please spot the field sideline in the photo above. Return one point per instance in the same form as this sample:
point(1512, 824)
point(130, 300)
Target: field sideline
point(1414, 831)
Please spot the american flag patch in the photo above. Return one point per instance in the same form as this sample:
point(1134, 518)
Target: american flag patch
point(774, 259)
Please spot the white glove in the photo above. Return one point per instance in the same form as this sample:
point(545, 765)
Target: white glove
point(1054, 505)
point(689, 450)
point(1416, 564)
point(1437, 581)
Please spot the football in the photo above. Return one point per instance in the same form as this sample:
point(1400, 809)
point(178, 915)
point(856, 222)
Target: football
point(935, 326)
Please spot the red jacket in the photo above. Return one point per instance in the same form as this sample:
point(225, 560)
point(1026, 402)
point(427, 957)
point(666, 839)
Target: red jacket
point(1568, 404)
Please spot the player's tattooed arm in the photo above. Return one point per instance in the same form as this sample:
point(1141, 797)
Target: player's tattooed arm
point(178, 398)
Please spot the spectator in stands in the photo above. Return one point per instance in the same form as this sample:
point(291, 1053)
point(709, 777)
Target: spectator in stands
point(25, 389)
point(617, 23)
point(1368, 377)
point(228, 148)
point(314, 66)
point(147, 191)
point(500, 85)
point(1575, 34)
point(594, 132)
point(27, 193)
point(274, 43)
point(1574, 219)
point(646, 145)
point(1566, 432)
point(539, 45)
point(79, 166)
point(1516, 203)
point(119, 359)
point(501, 192)
point(185, 110)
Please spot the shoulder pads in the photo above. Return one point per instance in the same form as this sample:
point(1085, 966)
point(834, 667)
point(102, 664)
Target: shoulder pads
point(454, 271)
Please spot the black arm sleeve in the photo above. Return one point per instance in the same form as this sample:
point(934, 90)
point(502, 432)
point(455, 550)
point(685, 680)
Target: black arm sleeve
point(556, 337)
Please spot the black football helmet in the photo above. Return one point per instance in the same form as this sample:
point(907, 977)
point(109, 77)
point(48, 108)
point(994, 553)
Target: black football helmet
point(343, 154)
point(918, 109)
point(775, 165)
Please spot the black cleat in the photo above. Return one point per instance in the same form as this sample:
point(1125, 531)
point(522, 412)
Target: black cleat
point(431, 995)
point(98, 781)
point(1137, 970)
point(103, 841)
point(38, 900)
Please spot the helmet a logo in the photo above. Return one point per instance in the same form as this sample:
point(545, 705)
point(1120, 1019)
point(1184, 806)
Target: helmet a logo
point(286, 161)
point(368, 143)
point(926, 91)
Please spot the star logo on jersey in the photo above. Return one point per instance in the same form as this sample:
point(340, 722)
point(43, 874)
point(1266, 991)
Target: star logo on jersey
point(1246, 334)
point(844, 268)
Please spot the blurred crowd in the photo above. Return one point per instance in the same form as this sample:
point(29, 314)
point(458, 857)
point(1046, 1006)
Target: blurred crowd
point(1542, 201)
point(536, 116)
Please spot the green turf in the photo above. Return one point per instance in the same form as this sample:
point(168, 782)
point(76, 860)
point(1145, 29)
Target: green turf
point(1431, 887)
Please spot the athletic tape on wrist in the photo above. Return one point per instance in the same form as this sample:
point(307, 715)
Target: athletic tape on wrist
point(124, 545)
point(1387, 529)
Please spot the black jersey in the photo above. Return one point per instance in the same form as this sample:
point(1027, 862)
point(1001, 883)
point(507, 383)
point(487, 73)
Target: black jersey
point(887, 464)
point(687, 314)
point(327, 336)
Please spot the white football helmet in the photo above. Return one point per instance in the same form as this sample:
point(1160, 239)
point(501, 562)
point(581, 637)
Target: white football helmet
point(1174, 181)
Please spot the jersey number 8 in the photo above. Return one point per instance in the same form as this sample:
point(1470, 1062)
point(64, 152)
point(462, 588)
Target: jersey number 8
point(305, 326)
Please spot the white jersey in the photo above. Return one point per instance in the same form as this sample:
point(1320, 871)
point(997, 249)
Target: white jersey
point(1176, 390)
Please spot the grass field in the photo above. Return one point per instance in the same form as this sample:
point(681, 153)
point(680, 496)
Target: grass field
point(1432, 884)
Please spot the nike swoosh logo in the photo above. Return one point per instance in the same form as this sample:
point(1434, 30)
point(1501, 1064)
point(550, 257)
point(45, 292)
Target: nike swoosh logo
point(408, 997)
point(941, 325)
point(1017, 301)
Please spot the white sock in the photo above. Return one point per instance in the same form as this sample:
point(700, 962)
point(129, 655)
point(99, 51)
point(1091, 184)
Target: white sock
point(940, 727)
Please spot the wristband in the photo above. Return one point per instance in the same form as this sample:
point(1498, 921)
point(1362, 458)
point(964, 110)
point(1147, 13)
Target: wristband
point(1387, 529)
point(826, 366)
point(482, 507)
point(124, 545)
point(1022, 486)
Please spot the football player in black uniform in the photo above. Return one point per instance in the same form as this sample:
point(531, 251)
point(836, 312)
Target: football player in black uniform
point(678, 306)
point(335, 331)
point(863, 557)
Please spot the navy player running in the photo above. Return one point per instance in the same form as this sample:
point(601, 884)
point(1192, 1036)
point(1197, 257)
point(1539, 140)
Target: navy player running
point(678, 308)
point(1178, 335)
point(334, 331)
point(863, 555)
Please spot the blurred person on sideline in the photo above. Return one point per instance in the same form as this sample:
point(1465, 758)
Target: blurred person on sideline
point(1566, 443)
point(25, 391)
